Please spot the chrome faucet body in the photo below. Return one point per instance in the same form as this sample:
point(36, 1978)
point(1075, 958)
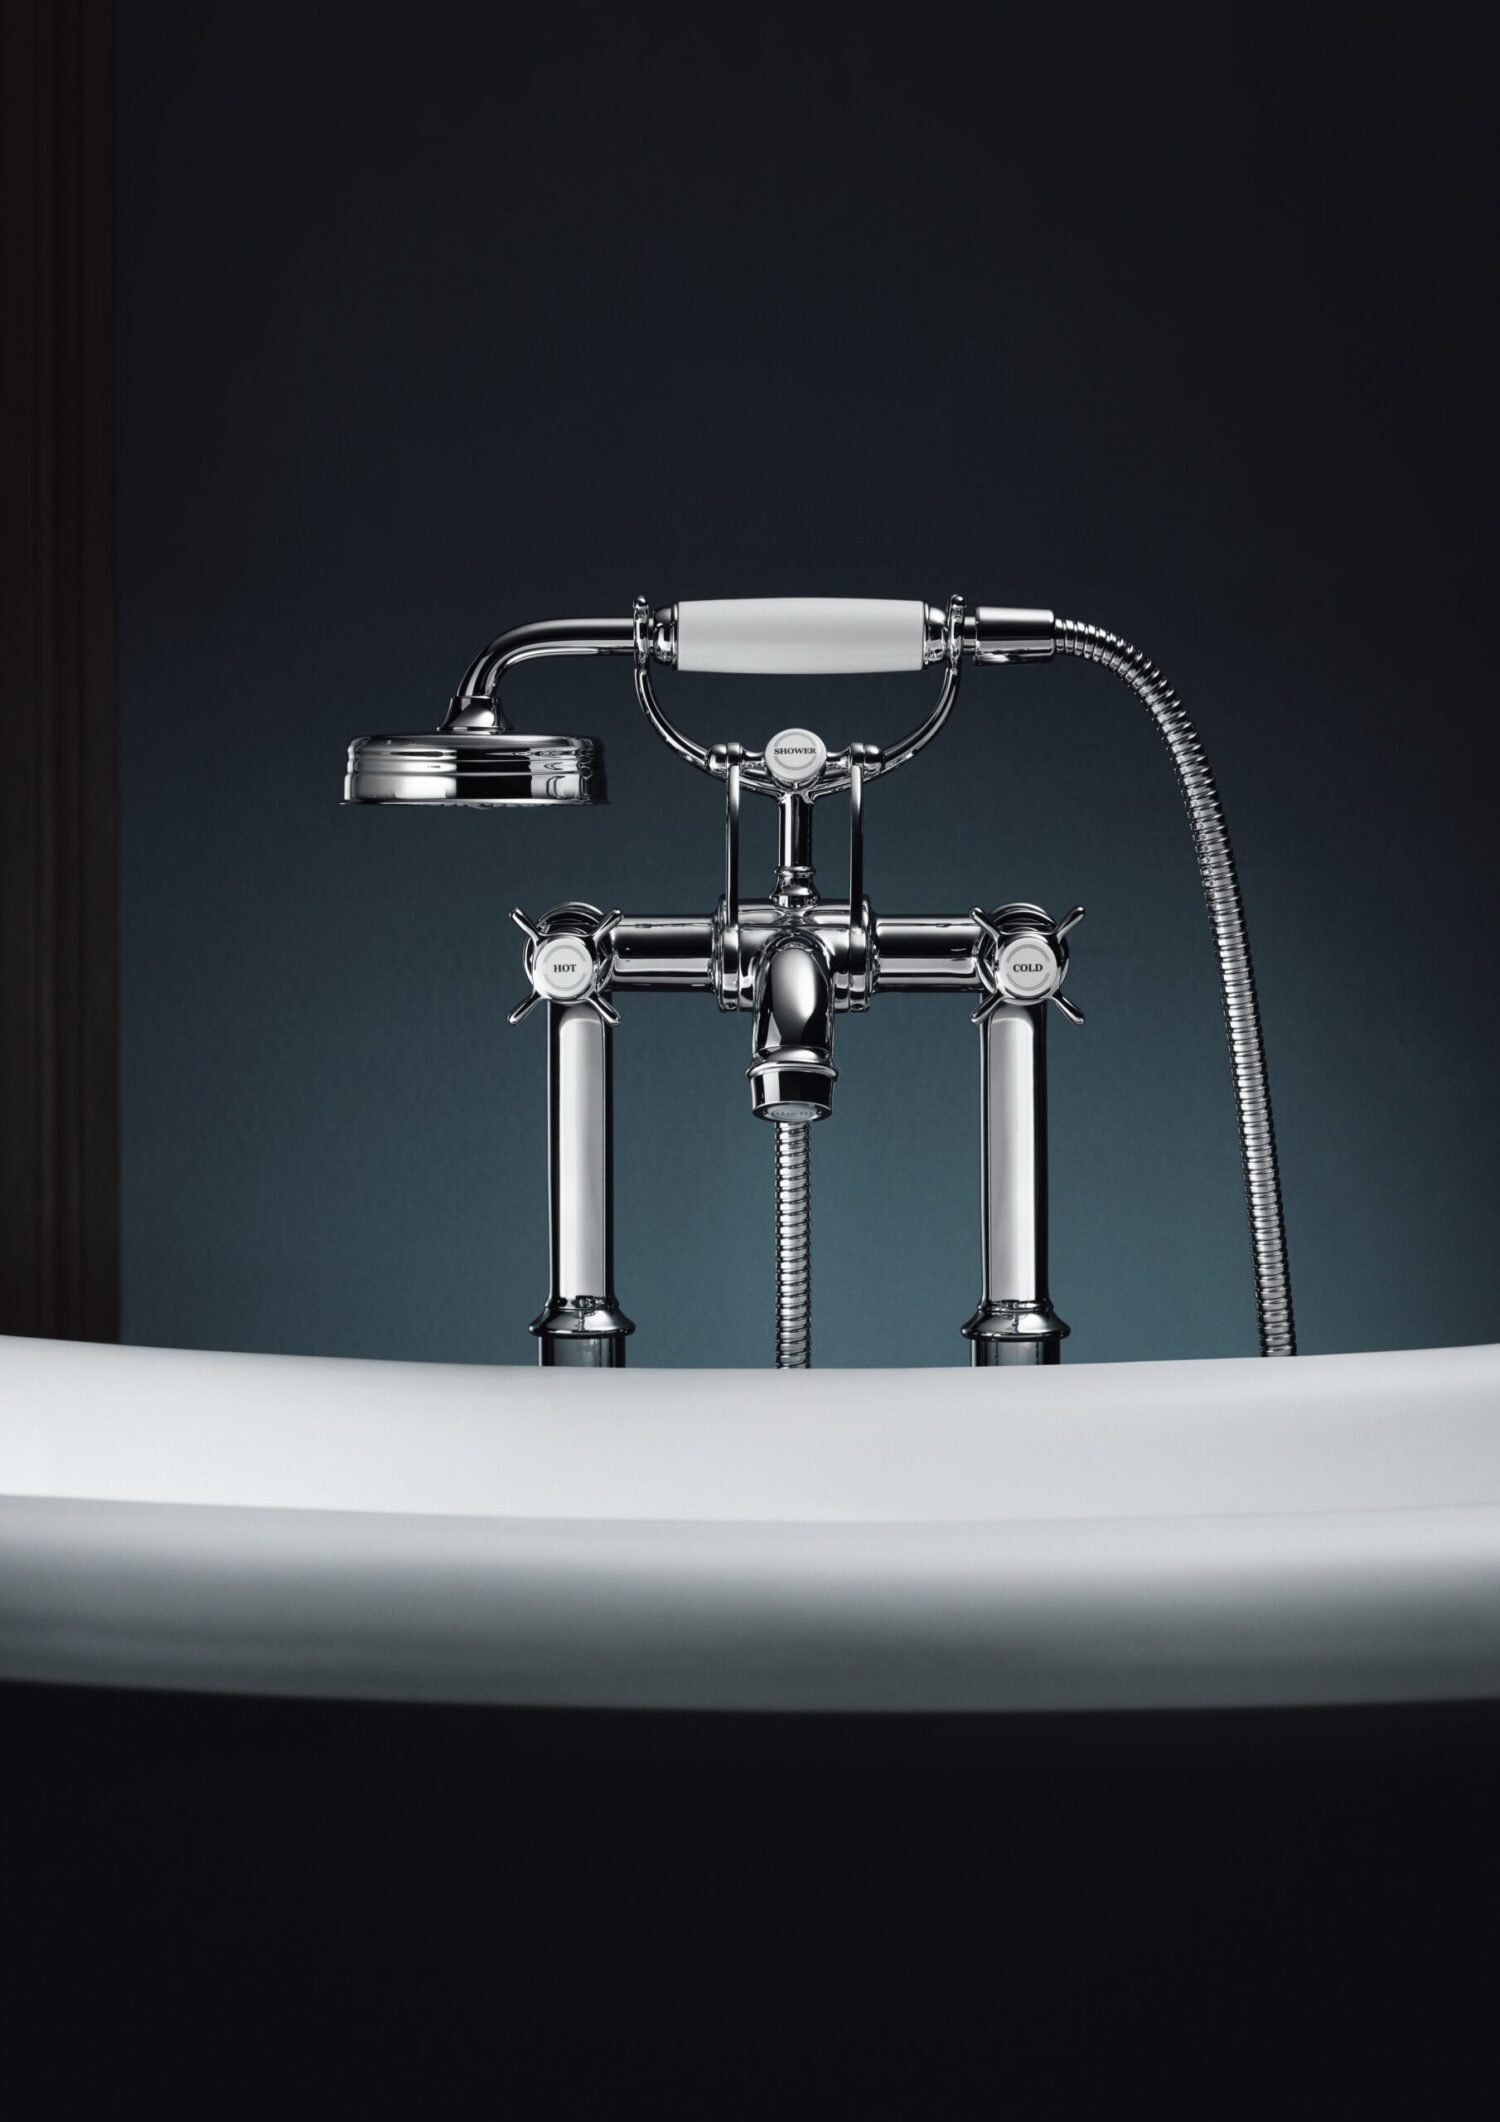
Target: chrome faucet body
point(794, 960)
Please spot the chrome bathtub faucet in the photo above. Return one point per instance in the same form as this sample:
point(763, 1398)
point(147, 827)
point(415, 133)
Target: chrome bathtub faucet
point(793, 960)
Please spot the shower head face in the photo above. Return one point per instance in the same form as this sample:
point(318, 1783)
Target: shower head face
point(483, 769)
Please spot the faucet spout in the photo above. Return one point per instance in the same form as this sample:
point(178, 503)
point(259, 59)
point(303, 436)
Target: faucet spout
point(792, 1075)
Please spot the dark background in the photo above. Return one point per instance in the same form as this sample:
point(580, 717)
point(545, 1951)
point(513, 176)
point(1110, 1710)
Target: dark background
point(211, 1891)
point(435, 320)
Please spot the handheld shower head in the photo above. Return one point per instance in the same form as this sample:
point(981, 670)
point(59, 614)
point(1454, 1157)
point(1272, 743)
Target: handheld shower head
point(480, 768)
point(476, 758)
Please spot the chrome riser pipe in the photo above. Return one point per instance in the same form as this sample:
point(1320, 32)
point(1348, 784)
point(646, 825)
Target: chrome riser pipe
point(582, 1324)
point(1015, 1322)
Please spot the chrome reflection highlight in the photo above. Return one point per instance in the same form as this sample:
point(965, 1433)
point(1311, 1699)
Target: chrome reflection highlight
point(475, 769)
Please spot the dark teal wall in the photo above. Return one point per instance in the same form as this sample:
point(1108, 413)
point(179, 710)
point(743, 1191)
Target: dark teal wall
point(431, 322)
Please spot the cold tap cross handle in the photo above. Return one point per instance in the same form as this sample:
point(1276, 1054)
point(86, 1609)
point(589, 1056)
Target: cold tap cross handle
point(802, 636)
point(1024, 959)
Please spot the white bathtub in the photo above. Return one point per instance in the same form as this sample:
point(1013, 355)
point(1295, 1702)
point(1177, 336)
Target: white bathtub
point(1228, 1534)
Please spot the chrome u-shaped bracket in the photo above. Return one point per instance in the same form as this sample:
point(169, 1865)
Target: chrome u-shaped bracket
point(650, 646)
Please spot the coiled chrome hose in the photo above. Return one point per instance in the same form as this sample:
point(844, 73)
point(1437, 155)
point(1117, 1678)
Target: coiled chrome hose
point(1273, 1289)
point(793, 1278)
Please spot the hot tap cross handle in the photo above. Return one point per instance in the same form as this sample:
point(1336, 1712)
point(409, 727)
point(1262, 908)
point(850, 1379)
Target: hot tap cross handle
point(567, 959)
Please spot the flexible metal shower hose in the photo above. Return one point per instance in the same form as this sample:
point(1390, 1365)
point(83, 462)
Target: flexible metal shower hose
point(793, 1279)
point(1273, 1289)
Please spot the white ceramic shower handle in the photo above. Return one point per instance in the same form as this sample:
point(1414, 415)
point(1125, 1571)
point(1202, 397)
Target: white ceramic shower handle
point(801, 636)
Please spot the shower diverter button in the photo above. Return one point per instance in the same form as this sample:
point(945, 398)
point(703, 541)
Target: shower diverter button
point(563, 969)
point(796, 757)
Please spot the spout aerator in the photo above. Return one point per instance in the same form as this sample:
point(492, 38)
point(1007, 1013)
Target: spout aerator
point(481, 769)
point(790, 1091)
